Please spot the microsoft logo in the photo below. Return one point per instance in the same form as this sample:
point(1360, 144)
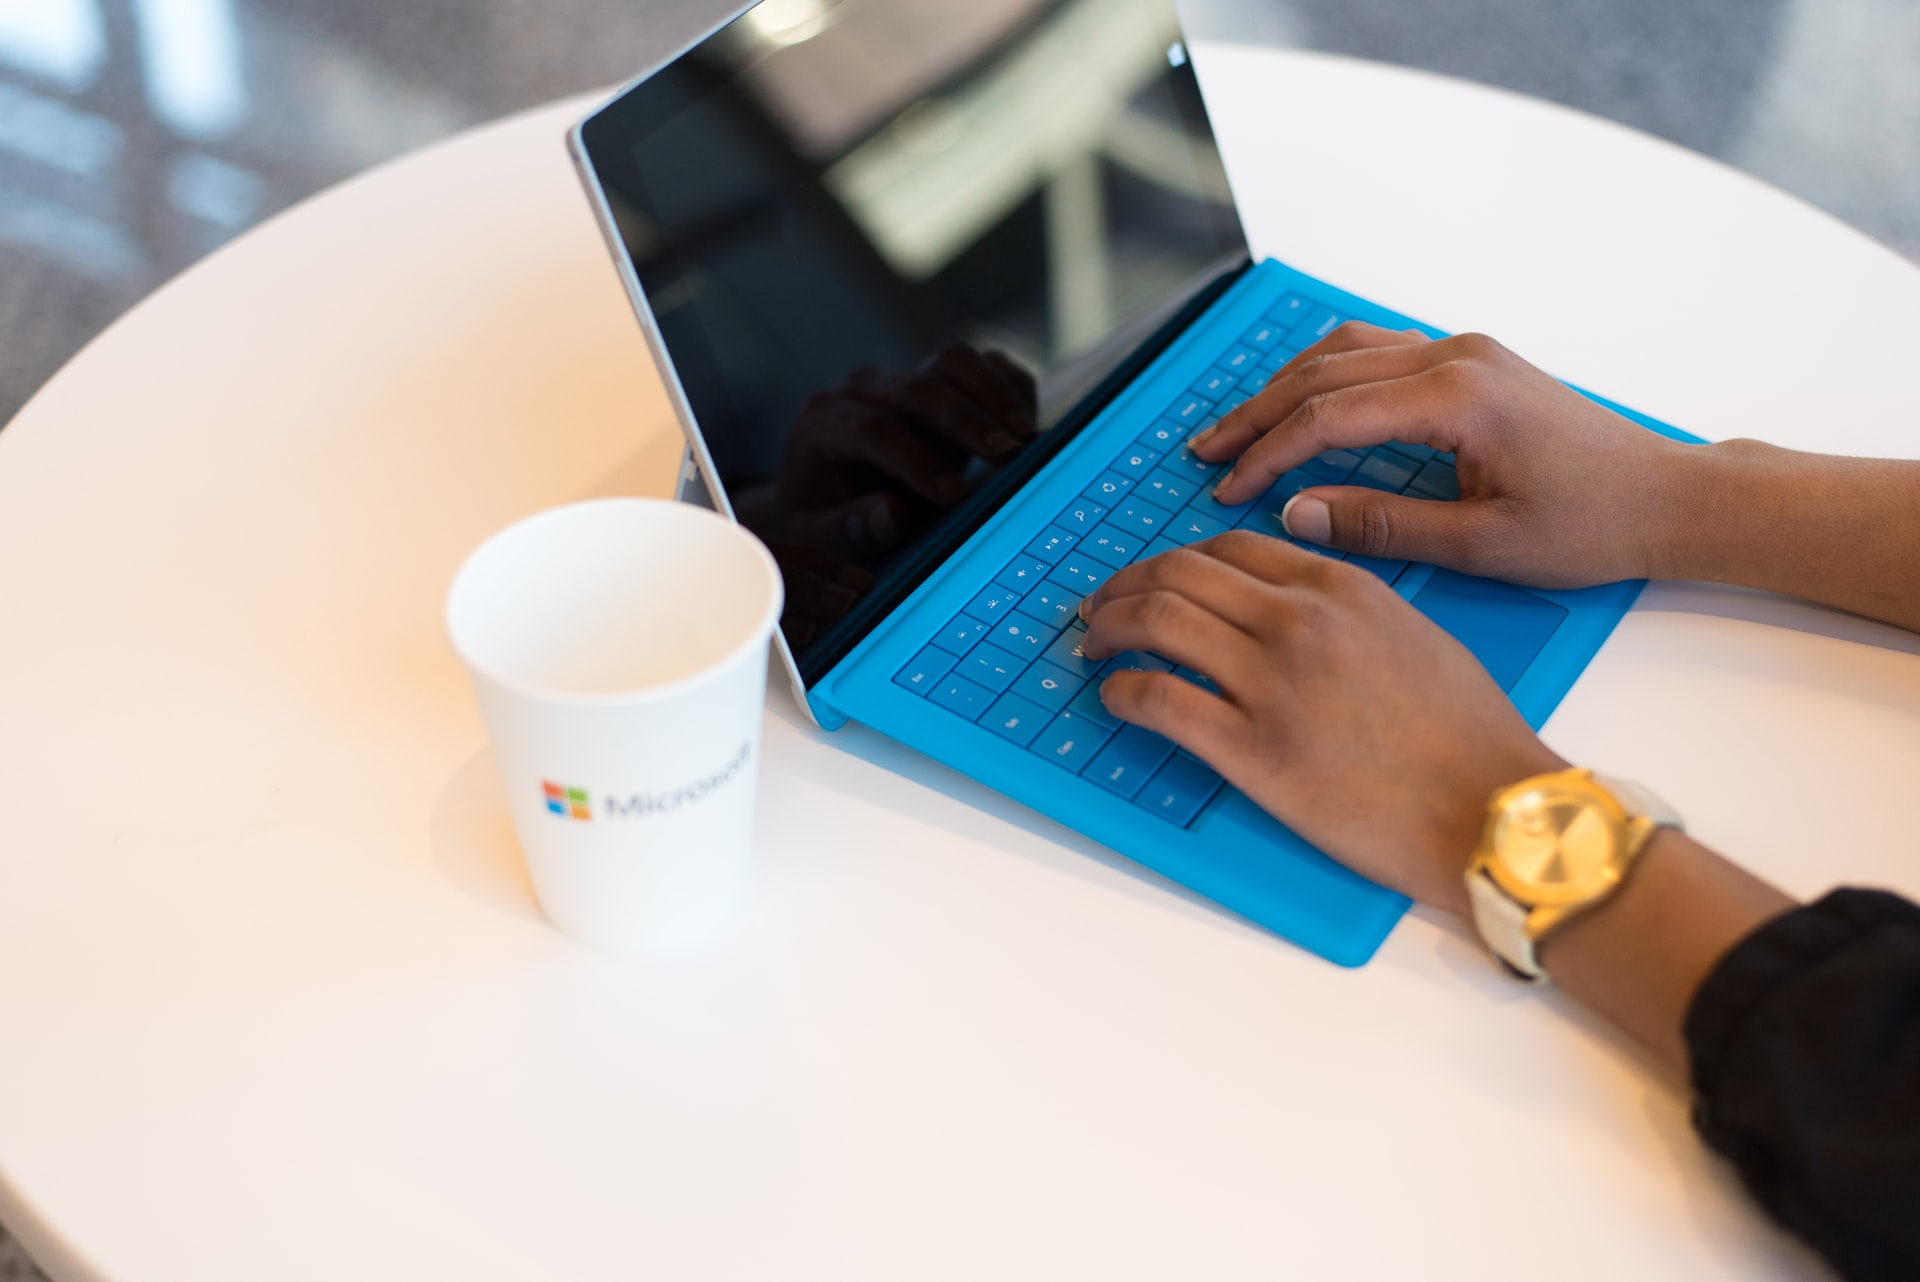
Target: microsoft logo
point(568, 803)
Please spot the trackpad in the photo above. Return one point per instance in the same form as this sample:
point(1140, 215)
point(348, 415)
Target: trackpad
point(1504, 626)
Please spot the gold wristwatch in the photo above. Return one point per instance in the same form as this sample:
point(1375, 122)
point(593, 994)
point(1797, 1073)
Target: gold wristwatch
point(1555, 846)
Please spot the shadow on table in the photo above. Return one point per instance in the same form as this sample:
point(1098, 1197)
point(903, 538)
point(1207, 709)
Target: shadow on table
point(471, 835)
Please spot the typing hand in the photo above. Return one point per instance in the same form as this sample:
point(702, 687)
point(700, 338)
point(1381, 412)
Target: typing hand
point(1555, 491)
point(1341, 709)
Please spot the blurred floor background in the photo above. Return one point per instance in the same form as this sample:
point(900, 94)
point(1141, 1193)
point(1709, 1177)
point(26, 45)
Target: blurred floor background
point(138, 135)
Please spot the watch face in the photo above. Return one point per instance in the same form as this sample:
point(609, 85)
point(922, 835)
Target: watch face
point(1556, 845)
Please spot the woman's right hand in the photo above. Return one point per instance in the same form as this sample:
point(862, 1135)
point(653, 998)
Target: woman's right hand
point(1555, 490)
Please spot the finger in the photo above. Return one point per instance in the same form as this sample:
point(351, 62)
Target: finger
point(1199, 574)
point(1457, 534)
point(1312, 373)
point(1419, 408)
point(1174, 627)
point(1204, 724)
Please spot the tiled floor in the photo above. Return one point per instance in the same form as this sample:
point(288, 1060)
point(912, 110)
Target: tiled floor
point(137, 135)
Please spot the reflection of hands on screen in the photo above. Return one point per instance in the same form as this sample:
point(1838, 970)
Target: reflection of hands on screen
point(870, 464)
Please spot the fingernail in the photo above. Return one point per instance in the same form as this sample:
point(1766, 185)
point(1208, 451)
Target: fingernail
point(1083, 611)
point(949, 488)
point(1221, 485)
point(1307, 518)
point(1201, 438)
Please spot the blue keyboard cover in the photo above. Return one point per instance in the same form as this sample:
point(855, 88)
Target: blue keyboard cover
point(989, 647)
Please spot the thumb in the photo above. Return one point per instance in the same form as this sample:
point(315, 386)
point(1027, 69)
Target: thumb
point(1389, 526)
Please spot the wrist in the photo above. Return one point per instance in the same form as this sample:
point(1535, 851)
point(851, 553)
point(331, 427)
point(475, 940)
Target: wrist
point(1703, 500)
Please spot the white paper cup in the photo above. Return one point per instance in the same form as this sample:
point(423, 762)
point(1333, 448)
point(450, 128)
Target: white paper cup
point(619, 651)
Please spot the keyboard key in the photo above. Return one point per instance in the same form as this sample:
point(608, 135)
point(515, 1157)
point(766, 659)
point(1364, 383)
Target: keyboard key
point(1128, 760)
point(1436, 480)
point(1191, 527)
point(1170, 490)
point(1081, 517)
point(1265, 513)
point(1319, 322)
point(1264, 337)
point(924, 673)
point(1020, 576)
point(1052, 545)
point(1052, 605)
point(959, 636)
point(1109, 488)
point(1212, 385)
point(1184, 462)
point(1136, 462)
point(1113, 545)
point(1087, 704)
point(1016, 719)
point(1204, 504)
point(1134, 661)
point(1384, 470)
point(1387, 570)
point(1049, 686)
point(1289, 311)
point(990, 666)
point(1070, 740)
point(1019, 635)
point(1179, 790)
point(1200, 679)
point(1140, 517)
point(957, 694)
point(1331, 468)
point(1418, 453)
point(1065, 654)
point(1081, 572)
point(1159, 545)
point(1164, 435)
point(1238, 362)
point(992, 604)
point(1189, 410)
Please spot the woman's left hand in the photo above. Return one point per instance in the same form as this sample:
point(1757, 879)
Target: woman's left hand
point(1342, 710)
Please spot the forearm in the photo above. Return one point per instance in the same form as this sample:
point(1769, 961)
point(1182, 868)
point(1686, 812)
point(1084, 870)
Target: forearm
point(1639, 957)
point(1843, 532)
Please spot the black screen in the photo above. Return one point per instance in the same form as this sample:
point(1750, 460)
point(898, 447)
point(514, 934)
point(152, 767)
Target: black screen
point(900, 250)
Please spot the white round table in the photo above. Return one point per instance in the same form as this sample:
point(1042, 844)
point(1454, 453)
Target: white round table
point(275, 1001)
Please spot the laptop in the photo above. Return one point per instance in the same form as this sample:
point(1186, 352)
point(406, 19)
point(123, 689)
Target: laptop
point(939, 289)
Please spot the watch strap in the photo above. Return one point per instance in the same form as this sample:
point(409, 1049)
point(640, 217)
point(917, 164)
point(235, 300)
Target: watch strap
point(1502, 922)
point(1636, 800)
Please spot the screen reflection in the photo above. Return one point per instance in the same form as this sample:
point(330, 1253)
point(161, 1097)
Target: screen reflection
point(900, 250)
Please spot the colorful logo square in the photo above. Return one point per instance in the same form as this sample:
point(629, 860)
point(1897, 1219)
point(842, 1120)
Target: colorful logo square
point(568, 803)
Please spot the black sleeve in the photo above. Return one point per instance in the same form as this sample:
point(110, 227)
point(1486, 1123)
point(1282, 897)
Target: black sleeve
point(1805, 1042)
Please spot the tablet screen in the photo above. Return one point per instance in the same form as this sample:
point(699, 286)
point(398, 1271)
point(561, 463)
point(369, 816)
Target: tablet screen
point(899, 250)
